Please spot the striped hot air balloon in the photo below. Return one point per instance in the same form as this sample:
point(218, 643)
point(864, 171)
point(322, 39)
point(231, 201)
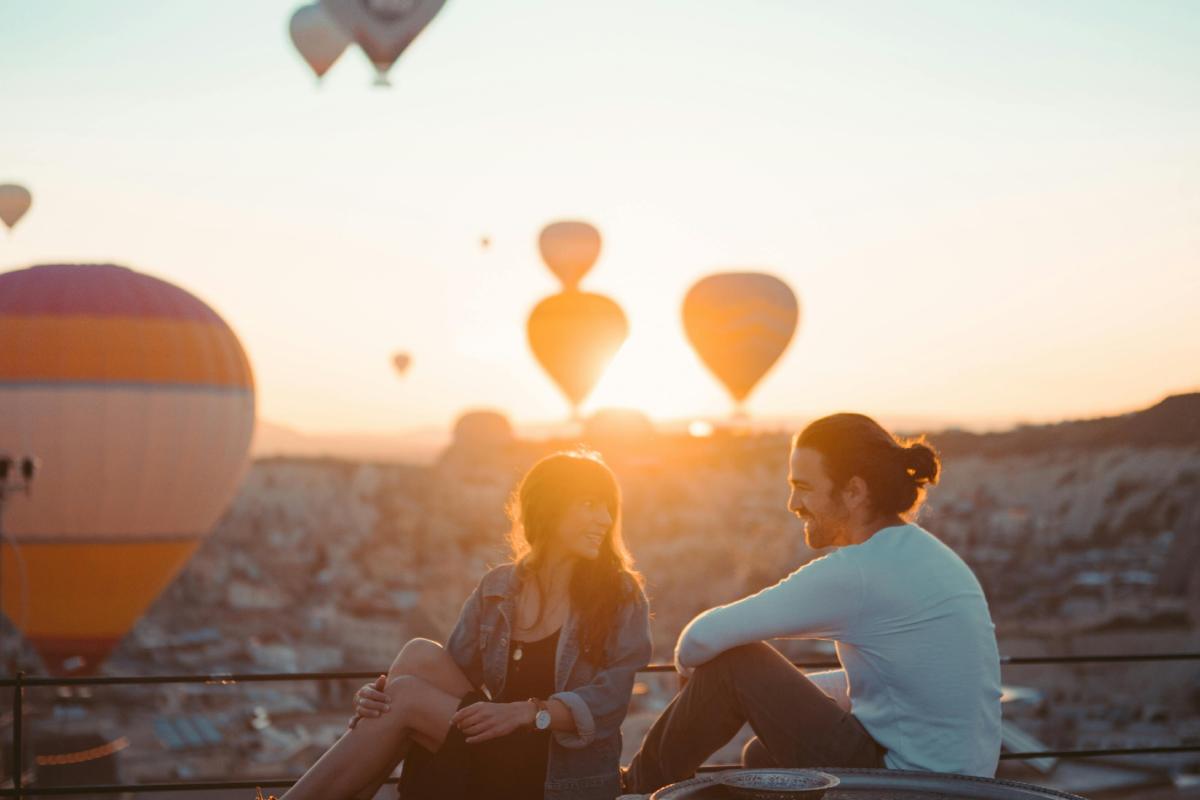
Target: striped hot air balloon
point(139, 401)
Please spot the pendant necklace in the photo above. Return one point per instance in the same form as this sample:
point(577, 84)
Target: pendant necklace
point(518, 652)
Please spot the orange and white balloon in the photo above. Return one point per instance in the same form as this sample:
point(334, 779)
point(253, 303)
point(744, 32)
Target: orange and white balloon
point(139, 401)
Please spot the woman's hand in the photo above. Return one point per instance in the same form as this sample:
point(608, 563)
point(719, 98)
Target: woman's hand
point(483, 721)
point(371, 700)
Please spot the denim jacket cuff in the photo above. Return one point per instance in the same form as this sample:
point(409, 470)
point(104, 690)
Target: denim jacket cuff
point(585, 723)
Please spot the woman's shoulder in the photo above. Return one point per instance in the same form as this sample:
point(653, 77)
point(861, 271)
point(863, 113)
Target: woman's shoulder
point(497, 580)
point(632, 589)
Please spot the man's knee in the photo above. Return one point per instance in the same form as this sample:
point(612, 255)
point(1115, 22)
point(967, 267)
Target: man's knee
point(416, 658)
point(736, 659)
point(756, 756)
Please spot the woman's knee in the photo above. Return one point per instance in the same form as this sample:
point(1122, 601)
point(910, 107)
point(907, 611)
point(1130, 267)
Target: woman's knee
point(404, 691)
point(417, 657)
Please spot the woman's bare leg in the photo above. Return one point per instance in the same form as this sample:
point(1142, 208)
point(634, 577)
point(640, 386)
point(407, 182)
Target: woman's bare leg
point(420, 711)
point(430, 662)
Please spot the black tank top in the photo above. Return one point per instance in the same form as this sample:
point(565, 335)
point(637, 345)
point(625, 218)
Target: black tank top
point(513, 767)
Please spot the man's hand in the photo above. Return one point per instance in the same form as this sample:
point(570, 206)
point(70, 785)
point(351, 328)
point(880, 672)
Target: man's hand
point(483, 721)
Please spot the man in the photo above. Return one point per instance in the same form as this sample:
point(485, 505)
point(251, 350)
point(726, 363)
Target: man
point(919, 686)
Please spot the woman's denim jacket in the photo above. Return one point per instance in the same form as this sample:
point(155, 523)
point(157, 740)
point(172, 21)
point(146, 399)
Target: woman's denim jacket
point(583, 764)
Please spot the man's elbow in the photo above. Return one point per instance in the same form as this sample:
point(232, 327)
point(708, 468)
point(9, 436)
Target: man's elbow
point(694, 651)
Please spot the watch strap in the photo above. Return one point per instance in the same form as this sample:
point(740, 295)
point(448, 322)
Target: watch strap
point(540, 706)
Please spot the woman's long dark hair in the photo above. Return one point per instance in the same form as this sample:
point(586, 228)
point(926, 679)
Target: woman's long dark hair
point(598, 586)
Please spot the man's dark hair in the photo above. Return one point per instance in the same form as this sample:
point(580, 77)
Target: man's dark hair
point(896, 472)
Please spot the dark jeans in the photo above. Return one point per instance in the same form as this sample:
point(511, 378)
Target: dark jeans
point(796, 724)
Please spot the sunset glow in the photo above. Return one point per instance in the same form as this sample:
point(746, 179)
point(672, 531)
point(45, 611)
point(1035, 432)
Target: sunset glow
point(990, 239)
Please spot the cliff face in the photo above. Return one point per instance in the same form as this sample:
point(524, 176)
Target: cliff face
point(1079, 496)
point(1172, 423)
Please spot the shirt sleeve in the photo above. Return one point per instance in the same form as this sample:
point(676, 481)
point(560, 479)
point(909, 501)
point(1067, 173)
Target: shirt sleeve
point(599, 707)
point(818, 601)
point(833, 683)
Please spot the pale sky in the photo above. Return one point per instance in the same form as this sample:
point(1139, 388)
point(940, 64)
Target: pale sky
point(989, 211)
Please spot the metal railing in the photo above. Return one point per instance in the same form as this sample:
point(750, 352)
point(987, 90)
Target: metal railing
point(21, 682)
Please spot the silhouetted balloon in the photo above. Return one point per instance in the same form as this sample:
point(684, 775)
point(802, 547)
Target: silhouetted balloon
point(574, 335)
point(383, 28)
point(401, 362)
point(623, 425)
point(569, 249)
point(139, 401)
point(318, 37)
point(15, 200)
point(740, 323)
point(482, 430)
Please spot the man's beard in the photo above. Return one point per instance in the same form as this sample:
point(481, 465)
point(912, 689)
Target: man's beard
point(825, 531)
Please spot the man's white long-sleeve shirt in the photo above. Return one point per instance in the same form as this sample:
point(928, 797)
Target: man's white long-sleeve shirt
point(917, 645)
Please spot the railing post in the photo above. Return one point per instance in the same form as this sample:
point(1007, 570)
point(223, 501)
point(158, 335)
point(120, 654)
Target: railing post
point(18, 723)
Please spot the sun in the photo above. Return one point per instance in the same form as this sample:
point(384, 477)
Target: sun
point(658, 376)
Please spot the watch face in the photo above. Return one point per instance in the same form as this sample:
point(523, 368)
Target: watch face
point(542, 720)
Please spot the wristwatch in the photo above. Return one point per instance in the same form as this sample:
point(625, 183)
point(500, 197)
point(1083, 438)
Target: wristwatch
point(541, 720)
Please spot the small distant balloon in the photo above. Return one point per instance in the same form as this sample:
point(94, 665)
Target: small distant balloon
point(485, 242)
point(570, 249)
point(383, 28)
point(15, 200)
point(401, 362)
point(318, 37)
point(574, 335)
point(739, 323)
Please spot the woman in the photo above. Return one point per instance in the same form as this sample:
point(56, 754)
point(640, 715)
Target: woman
point(527, 698)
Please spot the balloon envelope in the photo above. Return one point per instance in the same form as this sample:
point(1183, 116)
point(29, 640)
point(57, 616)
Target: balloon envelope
point(383, 28)
point(574, 335)
point(569, 248)
point(317, 37)
point(139, 401)
point(739, 323)
point(401, 362)
point(15, 200)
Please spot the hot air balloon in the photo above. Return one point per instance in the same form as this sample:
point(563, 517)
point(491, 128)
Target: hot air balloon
point(569, 249)
point(317, 37)
point(401, 362)
point(383, 28)
point(139, 401)
point(574, 335)
point(740, 323)
point(14, 202)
